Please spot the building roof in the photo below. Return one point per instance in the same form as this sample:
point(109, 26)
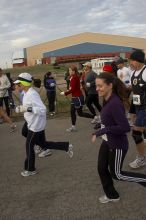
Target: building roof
point(36, 51)
point(87, 48)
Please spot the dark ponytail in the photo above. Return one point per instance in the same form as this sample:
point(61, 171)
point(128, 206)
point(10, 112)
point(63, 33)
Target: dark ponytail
point(119, 87)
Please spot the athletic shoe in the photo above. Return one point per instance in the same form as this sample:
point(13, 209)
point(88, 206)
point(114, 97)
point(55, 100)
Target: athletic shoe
point(13, 128)
point(52, 113)
point(37, 149)
point(71, 129)
point(96, 119)
point(45, 153)
point(138, 162)
point(26, 173)
point(105, 199)
point(70, 151)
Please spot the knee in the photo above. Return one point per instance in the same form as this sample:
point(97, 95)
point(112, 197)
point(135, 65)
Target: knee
point(137, 136)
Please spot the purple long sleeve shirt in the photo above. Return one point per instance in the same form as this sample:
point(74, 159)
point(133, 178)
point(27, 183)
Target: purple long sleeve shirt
point(114, 124)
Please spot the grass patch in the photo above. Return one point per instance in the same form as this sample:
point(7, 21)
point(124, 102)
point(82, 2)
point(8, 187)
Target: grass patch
point(37, 71)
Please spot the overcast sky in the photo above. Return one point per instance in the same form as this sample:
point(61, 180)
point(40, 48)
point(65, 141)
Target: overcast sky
point(24, 23)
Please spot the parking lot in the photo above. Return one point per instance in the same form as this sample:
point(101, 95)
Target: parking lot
point(64, 188)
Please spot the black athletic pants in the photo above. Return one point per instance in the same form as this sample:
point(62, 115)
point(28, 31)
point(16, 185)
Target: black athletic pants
point(110, 167)
point(93, 99)
point(38, 138)
point(80, 112)
point(51, 95)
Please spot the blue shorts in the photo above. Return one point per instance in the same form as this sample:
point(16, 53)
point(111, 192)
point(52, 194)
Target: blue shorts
point(78, 101)
point(140, 118)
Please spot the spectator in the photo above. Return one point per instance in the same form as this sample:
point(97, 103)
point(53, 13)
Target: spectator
point(50, 86)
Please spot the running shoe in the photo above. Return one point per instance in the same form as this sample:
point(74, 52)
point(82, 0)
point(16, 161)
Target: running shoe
point(71, 129)
point(105, 199)
point(37, 149)
point(96, 119)
point(138, 162)
point(27, 173)
point(70, 151)
point(45, 153)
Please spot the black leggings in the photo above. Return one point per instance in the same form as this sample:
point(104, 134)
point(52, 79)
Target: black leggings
point(80, 113)
point(51, 100)
point(110, 164)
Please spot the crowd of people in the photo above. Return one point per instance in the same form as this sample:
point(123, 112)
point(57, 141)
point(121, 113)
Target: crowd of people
point(116, 102)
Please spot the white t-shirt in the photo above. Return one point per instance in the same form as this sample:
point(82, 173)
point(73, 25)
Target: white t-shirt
point(124, 75)
point(36, 119)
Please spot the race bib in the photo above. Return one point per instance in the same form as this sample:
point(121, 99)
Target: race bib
point(104, 136)
point(136, 100)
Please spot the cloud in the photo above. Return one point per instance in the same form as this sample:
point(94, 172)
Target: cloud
point(20, 42)
point(25, 23)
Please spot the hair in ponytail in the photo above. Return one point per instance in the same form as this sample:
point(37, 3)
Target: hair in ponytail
point(119, 87)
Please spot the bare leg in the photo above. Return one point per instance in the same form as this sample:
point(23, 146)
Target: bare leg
point(7, 119)
point(140, 148)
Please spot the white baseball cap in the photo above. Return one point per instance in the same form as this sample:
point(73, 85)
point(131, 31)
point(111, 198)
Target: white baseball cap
point(88, 63)
point(24, 78)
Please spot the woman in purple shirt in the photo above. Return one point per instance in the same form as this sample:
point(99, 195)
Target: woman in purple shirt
point(114, 126)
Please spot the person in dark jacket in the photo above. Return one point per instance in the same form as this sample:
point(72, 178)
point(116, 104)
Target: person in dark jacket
point(50, 86)
point(92, 99)
point(113, 131)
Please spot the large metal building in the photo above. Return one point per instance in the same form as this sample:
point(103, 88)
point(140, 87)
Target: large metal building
point(84, 43)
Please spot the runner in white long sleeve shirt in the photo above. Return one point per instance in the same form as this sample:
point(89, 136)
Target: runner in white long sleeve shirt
point(34, 128)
